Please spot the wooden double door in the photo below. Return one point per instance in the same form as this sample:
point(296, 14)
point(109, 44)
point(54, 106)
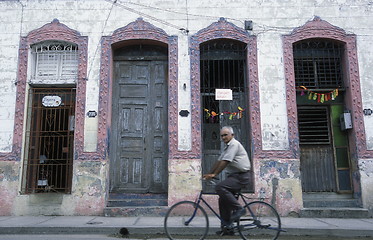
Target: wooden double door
point(139, 141)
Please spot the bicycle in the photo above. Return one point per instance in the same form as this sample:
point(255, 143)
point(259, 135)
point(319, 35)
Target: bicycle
point(190, 218)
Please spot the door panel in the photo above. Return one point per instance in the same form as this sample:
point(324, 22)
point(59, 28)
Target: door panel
point(317, 168)
point(132, 142)
point(139, 136)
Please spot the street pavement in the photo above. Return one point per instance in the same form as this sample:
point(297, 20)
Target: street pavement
point(333, 227)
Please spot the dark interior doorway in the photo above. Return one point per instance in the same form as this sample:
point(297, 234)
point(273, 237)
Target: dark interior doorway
point(222, 66)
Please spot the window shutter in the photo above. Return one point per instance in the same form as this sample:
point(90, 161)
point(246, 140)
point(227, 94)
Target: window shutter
point(69, 68)
point(55, 61)
point(47, 65)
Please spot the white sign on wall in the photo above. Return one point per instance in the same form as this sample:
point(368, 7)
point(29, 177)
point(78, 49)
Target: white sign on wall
point(223, 94)
point(51, 101)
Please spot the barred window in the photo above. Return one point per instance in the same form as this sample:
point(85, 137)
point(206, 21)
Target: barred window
point(318, 63)
point(223, 65)
point(55, 61)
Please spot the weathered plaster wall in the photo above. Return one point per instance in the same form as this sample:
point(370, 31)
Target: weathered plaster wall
point(279, 182)
point(10, 27)
point(184, 179)
point(184, 91)
point(9, 186)
point(87, 196)
point(89, 191)
point(272, 92)
point(366, 174)
point(273, 19)
point(365, 56)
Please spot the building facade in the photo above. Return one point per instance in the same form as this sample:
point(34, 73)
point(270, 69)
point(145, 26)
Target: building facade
point(103, 100)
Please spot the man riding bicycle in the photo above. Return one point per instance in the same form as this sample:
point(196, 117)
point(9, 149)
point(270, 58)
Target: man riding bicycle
point(235, 160)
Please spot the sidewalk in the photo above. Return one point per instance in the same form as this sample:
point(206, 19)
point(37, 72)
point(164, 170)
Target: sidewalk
point(154, 225)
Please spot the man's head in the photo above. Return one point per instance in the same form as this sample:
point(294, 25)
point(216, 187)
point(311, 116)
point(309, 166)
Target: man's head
point(226, 134)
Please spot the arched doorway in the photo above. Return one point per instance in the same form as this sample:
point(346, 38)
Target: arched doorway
point(323, 139)
point(139, 138)
point(222, 67)
point(330, 54)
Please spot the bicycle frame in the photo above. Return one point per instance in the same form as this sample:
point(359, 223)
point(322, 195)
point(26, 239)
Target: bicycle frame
point(198, 202)
point(200, 199)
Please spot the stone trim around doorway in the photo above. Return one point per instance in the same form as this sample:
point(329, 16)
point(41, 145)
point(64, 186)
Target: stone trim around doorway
point(138, 30)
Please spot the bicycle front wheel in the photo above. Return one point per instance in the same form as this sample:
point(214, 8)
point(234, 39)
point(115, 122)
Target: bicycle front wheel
point(186, 219)
point(261, 221)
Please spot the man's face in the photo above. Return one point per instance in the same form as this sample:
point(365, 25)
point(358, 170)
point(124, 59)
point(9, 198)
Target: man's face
point(225, 135)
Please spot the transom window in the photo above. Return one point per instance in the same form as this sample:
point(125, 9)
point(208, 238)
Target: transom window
point(223, 65)
point(318, 63)
point(55, 61)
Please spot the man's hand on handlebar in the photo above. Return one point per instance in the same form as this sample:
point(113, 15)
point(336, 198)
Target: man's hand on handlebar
point(209, 176)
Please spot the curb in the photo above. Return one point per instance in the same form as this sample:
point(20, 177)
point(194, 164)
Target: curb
point(146, 230)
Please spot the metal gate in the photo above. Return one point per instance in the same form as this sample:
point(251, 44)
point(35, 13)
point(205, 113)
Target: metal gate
point(223, 66)
point(50, 140)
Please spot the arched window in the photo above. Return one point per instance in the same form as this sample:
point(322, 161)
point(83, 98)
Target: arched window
point(318, 63)
point(54, 62)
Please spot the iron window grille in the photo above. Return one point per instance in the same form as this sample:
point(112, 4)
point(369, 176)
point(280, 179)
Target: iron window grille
point(222, 65)
point(318, 64)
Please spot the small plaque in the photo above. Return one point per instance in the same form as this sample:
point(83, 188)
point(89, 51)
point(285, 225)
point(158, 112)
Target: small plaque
point(91, 114)
point(51, 101)
point(184, 113)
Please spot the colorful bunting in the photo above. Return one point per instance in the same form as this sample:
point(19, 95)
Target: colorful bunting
point(213, 114)
point(319, 97)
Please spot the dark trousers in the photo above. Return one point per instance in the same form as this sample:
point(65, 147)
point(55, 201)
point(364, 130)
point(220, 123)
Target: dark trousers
point(226, 190)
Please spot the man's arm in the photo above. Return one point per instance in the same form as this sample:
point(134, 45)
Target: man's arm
point(216, 169)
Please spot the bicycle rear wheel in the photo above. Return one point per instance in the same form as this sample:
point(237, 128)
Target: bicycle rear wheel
point(261, 221)
point(186, 219)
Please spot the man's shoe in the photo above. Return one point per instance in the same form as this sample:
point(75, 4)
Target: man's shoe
point(225, 232)
point(237, 214)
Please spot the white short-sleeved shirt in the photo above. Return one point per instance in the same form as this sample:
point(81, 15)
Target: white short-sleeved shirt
point(236, 154)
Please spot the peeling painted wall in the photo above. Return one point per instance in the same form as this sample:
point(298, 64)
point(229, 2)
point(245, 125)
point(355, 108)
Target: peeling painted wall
point(366, 174)
point(278, 181)
point(184, 179)
point(87, 197)
point(9, 185)
point(89, 187)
